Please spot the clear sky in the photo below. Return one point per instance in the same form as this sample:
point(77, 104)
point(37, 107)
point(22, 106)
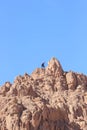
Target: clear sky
point(33, 31)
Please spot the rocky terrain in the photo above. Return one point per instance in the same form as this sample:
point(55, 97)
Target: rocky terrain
point(48, 99)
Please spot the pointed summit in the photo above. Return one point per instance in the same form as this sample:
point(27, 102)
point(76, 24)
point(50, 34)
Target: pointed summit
point(55, 67)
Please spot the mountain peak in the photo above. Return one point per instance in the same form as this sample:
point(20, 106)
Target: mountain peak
point(48, 99)
point(54, 66)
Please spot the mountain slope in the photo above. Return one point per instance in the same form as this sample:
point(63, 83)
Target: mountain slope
point(48, 99)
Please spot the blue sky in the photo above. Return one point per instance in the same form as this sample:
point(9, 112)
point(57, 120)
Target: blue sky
point(33, 31)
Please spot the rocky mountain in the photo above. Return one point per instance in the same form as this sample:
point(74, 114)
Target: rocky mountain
point(48, 99)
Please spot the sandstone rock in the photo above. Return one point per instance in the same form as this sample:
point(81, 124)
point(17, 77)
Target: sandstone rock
point(48, 99)
point(54, 67)
point(71, 80)
point(81, 79)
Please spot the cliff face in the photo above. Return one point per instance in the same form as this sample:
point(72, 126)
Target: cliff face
point(48, 99)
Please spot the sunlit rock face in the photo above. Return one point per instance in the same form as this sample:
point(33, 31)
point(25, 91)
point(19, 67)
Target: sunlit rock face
point(48, 99)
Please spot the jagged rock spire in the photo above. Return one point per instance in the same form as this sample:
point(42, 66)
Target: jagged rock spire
point(54, 67)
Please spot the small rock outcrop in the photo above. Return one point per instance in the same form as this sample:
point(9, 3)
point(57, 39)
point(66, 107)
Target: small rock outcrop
point(54, 67)
point(48, 99)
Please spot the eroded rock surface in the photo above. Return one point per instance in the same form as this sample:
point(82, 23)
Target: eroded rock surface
point(48, 99)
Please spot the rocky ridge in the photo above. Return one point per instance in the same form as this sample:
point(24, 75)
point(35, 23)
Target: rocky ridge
point(48, 99)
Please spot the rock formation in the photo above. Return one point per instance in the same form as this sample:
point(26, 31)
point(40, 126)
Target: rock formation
point(48, 99)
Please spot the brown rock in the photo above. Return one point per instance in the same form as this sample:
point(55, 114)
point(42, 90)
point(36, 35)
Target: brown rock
point(48, 99)
point(71, 80)
point(54, 67)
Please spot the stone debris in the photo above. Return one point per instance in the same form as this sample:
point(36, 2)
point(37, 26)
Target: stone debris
point(48, 99)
